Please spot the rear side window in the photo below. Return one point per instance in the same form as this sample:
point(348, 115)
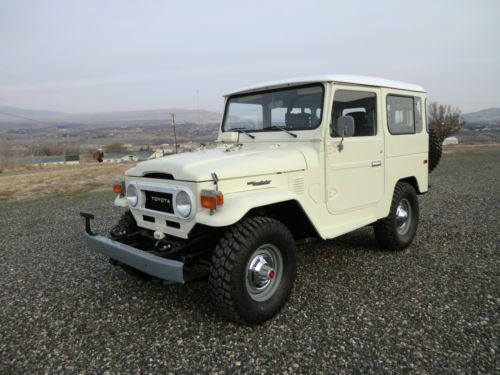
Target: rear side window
point(418, 114)
point(401, 114)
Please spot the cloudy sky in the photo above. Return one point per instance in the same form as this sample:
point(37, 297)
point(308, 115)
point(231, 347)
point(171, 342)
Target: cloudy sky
point(98, 55)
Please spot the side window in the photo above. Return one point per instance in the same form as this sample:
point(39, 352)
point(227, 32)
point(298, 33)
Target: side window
point(418, 114)
point(401, 115)
point(361, 107)
point(426, 116)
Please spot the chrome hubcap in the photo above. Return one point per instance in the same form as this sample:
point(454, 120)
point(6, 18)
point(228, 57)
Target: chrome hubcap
point(403, 216)
point(264, 272)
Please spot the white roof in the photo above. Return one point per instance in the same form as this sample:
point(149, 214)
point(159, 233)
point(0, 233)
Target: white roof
point(339, 78)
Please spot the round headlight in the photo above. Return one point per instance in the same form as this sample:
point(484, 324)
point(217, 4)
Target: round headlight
point(183, 204)
point(132, 196)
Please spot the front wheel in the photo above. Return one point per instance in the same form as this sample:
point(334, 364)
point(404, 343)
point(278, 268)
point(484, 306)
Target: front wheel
point(253, 270)
point(396, 231)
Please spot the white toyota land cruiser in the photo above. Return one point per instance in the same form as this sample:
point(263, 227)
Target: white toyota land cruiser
point(315, 156)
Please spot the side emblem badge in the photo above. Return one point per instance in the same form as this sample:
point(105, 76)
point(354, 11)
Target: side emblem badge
point(259, 183)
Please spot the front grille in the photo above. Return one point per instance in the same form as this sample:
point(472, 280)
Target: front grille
point(159, 201)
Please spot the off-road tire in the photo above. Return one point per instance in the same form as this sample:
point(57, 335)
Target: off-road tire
point(228, 277)
point(388, 230)
point(126, 225)
point(435, 150)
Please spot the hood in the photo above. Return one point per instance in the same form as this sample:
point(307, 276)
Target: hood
point(199, 165)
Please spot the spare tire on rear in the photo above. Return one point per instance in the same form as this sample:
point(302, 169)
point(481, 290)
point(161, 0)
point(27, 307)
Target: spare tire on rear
point(435, 150)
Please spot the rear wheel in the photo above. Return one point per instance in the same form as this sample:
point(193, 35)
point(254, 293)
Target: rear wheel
point(396, 231)
point(253, 270)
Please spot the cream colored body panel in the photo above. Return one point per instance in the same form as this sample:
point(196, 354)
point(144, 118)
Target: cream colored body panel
point(355, 175)
point(339, 191)
point(225, 161)
point(405, 154)
point(236, 205)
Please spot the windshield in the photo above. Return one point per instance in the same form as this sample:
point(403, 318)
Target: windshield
point(296, 108)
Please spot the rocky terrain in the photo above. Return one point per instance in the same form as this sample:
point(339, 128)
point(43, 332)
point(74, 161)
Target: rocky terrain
point(433, 308)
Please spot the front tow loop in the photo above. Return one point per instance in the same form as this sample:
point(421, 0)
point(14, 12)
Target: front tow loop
point(88, 217)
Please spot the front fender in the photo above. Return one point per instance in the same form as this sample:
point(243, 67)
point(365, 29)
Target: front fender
point(121, 201)
point(236, 205)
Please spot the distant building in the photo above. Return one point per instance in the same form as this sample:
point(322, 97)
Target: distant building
point(159, 154)
point(476, 127)
point(125, 156)
point(54, 160)
point(71, 159)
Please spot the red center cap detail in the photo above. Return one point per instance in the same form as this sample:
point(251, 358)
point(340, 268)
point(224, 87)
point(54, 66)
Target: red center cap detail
point(271, 274)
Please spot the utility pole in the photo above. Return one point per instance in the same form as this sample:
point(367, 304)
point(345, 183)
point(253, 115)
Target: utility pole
point(198, 106)
point(175, 134)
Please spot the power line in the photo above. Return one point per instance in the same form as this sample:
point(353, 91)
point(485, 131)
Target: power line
point(28, 118)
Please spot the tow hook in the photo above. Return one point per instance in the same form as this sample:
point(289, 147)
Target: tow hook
point(88, 217)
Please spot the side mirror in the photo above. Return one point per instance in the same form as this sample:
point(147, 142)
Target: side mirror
point(229, 137)
point(344, 128)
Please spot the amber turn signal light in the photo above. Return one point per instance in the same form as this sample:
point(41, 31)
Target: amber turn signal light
point(211, 199)
point(119, 187)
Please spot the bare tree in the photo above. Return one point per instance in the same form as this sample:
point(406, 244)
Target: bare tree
point(444, 119)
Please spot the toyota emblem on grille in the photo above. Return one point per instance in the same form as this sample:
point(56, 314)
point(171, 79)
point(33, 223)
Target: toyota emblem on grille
point(160, 199)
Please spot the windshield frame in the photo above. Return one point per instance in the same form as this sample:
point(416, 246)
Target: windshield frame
point(288, 87)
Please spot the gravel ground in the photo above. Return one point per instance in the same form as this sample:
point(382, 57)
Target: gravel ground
point(433, 308)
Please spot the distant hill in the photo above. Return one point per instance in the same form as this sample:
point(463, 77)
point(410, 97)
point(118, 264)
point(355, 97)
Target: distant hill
point(181, 115)
point(13, 115)
point(490, 116)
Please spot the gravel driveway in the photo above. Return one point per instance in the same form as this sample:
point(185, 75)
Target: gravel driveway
point(432, 308)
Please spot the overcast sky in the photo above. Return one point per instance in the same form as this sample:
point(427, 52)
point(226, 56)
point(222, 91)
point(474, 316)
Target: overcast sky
point(98, 55)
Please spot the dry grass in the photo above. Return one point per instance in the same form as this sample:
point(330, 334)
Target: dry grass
point(472, 149)
point(8, 167)
point(24, 184)
point(469, 147)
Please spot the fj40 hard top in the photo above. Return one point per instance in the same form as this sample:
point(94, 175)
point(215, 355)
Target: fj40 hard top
point(307, 157)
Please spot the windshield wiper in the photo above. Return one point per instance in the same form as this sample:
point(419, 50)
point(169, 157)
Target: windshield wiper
point(283, 130)
point(242, 130)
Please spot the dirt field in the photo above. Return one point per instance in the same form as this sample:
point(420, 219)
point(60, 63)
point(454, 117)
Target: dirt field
point(40, 182)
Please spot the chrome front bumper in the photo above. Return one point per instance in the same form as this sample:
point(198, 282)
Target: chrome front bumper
point(165, 269)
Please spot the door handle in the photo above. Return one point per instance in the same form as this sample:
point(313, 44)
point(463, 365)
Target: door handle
point(376, 163)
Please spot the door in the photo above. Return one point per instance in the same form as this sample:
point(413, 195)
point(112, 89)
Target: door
point(355, 150)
